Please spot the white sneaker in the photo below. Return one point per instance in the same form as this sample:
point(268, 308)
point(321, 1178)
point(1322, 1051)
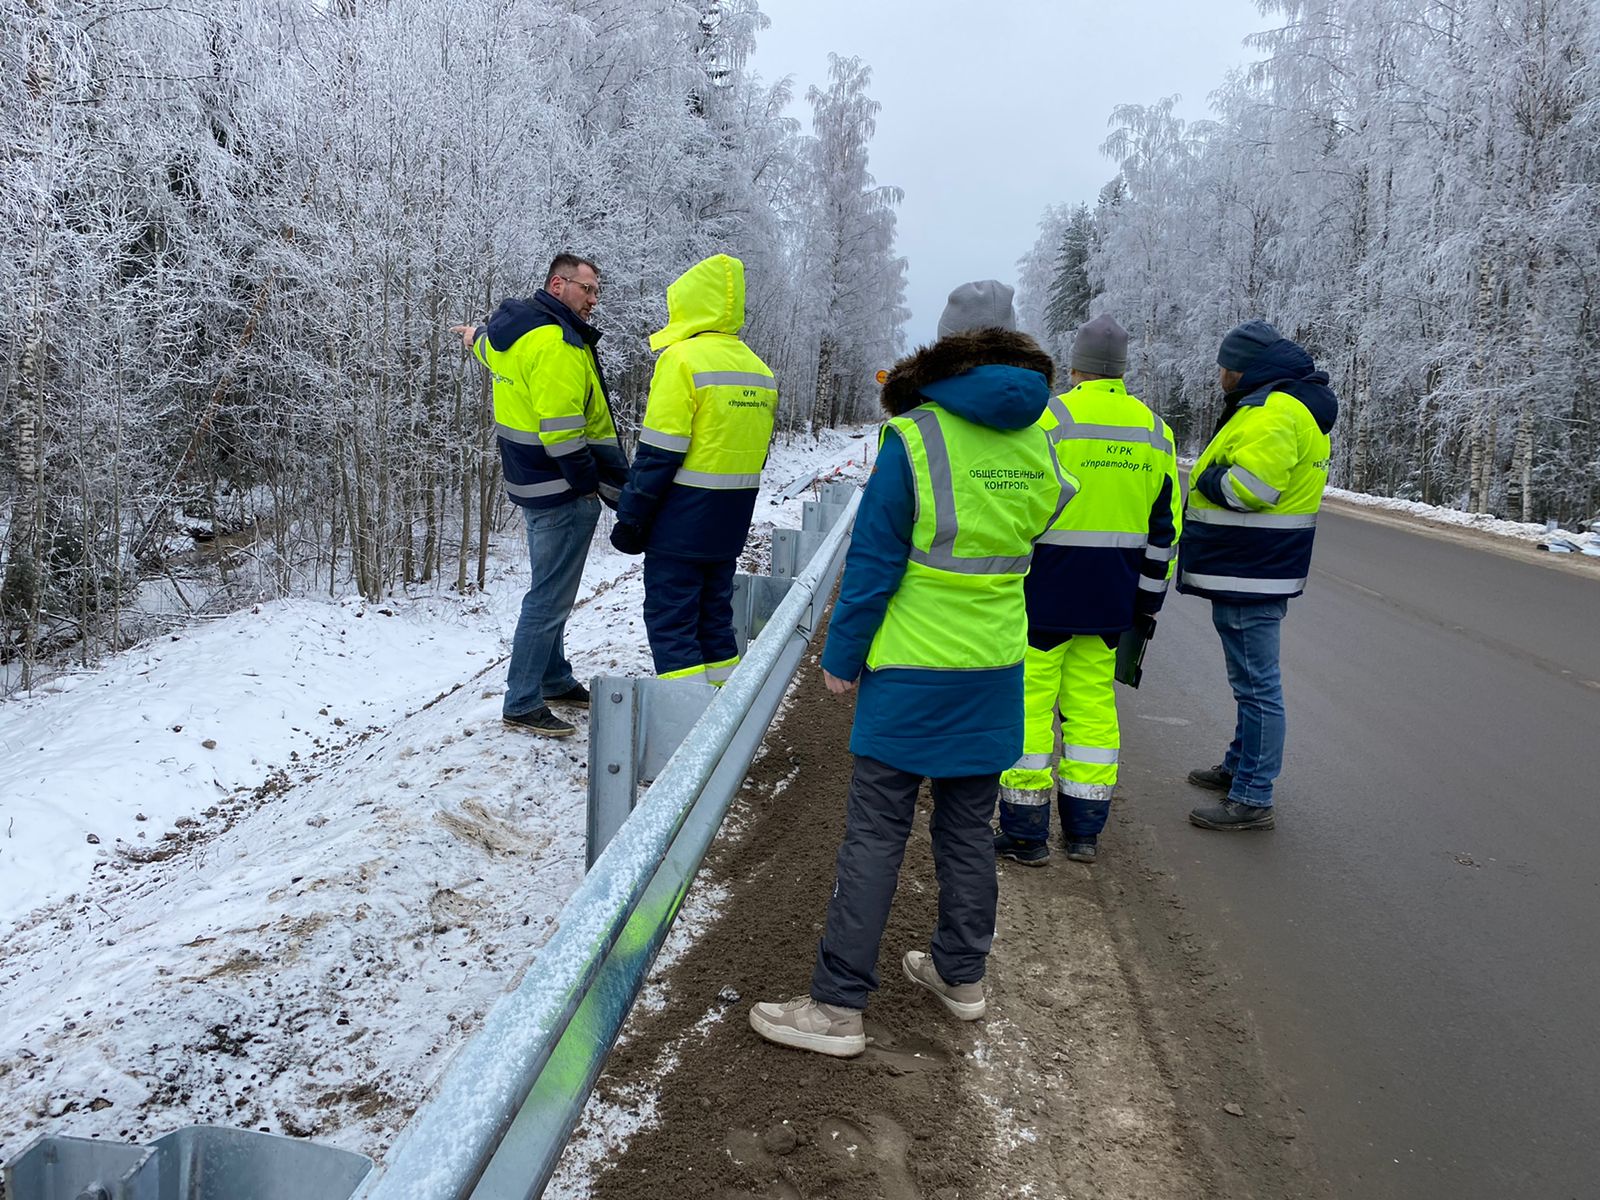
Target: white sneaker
point(808, 1024)
point(964, 1000)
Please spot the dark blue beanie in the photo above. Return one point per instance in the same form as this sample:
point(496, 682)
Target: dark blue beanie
point(1244, 344)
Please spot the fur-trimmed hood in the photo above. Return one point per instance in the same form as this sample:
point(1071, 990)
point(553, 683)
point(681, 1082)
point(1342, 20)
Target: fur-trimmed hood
point(997, 377)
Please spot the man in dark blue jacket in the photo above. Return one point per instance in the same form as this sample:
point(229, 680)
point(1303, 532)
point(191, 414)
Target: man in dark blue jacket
point(559, 452)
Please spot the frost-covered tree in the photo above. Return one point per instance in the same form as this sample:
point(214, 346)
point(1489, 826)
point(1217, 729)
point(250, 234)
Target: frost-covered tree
point(237, 231)
point(1412, 189)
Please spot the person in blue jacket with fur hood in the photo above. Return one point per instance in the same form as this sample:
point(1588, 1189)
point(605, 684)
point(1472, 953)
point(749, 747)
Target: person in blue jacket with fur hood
point(931, 620)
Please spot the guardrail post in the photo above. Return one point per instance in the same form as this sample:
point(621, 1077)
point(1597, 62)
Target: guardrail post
point(785, 553)
point(613, 758)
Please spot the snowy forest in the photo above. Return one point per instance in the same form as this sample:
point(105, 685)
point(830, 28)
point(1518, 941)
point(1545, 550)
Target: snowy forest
point(1411, 189)
point(237, 232)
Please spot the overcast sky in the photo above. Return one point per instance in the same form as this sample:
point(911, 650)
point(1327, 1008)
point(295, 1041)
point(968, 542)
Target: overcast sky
point(991, 113)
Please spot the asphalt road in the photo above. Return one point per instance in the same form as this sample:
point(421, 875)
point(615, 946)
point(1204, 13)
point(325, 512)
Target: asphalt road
point(1420, 936)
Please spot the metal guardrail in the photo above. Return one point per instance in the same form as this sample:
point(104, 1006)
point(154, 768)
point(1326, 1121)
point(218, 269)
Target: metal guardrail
point(636, 725)
point(499, 1119)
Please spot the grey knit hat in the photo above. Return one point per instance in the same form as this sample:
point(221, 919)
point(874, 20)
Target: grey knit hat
point(1100, 348)
point(985, 304)
point(1243, 344)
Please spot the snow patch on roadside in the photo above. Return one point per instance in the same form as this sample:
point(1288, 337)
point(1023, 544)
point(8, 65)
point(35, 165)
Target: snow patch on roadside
point(293, 927)
point(1588, 542)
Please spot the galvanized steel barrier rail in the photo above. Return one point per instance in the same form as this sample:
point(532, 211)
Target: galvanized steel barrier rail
point(499, 1119)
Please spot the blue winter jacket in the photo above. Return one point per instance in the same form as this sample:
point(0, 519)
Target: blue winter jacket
point(935, 723)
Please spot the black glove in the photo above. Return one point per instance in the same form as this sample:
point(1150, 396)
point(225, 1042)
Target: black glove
point(1144, 625)
point(629, 539)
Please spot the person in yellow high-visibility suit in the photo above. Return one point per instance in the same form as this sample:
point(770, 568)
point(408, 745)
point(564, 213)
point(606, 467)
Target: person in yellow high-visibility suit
point(1101, 569)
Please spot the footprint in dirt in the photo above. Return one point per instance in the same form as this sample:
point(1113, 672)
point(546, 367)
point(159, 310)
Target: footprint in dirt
point(880, 1150)
point(902, 1053)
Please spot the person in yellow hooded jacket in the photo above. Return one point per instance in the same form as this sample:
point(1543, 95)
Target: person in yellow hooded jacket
point(692, 491)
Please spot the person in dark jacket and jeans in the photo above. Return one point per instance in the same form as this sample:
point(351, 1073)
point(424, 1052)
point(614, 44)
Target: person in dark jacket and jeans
point(931, 619)
point(1248, 529)
point(559, 452)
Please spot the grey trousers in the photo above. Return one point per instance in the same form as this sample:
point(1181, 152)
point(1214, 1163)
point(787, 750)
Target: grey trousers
point(882, 803)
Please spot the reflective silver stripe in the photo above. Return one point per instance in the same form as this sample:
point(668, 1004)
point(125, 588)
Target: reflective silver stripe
point(1218, 516)
point(1229, 487)
point(557, 424)
point(1026, 797)
point(610, 441)
point(1253, 484)
point(522, 437)
point(610, 491)
point(1087, 791)
point(1111, 433)
point(1032, 762)
point(1146, 584)
point(1063, 415)
point(1090, 537)
point(1236, 583)
point(529, 490)
point(944, 488)
point(971, 566)
point(715, 479)
point(663, 441)
point(1160, 553)
point(750, 379)
point(1161, 441)
point(1090, 754)
point(562, 449)
point(1068, 491)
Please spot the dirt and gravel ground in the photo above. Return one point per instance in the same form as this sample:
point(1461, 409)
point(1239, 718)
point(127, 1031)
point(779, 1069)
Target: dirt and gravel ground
point(1113, 1062)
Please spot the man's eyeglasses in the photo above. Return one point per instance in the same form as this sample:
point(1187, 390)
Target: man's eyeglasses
point(588, 289)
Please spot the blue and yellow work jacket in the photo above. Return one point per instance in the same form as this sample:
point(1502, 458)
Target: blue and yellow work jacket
point(551, 414)
point(707, 424)
point(1256, 489)
point(1110, 553)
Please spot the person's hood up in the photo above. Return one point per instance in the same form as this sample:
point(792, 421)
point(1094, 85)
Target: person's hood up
point(995, 377)
point(516, 317)
point(1284, 366)
point(707, 298)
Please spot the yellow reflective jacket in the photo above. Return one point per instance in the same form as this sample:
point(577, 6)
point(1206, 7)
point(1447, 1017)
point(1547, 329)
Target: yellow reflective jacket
point(707, 424)
point(1112, 551)
point(552, 417)
point(1254, 494)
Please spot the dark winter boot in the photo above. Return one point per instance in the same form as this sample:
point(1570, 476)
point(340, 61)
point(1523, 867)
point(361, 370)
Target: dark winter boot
point(1214, 779)
point(1082, 848)
point(1024, 835)
point(576, 695)
point(1082, 820)
point(1229, 815)
point(541, 721)
point(1029, 854)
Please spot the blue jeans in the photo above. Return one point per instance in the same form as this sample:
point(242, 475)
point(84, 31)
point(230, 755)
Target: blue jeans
point(1249, 635)
point(558, 544)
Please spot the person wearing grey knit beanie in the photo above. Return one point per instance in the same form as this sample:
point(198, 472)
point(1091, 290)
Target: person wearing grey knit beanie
point(984, 304)
point(1097, 580)
point(1099, 350)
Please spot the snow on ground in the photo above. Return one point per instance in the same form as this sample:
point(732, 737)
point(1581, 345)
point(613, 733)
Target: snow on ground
point(318, 856)
point(1584, 543)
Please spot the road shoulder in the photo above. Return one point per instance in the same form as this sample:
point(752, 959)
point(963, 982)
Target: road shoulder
point(1101, 1070)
